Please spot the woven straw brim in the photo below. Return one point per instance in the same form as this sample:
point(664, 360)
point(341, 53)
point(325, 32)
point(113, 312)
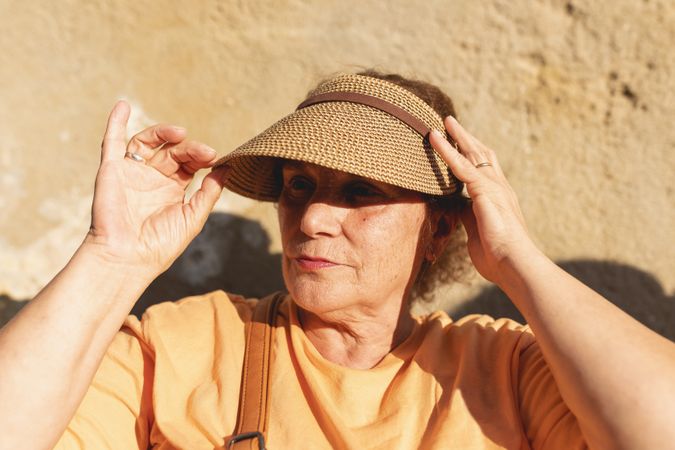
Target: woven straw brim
point(348, 137)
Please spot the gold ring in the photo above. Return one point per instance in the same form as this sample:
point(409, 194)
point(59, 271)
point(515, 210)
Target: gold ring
point(483, 164)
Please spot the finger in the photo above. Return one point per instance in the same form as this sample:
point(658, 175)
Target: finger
point(146, 142)
point(114, 138)
point(461, 167)
point(186, 156)
point(202, 202)
point(474, 150)
point(491, 158)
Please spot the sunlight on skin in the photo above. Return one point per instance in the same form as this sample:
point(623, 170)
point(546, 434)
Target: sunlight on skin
point(356, 295)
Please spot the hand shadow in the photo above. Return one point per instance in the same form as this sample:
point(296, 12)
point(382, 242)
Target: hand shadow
point(636, 292)
point(230, 253)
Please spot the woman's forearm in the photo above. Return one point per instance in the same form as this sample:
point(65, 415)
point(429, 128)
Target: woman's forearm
point(616, 375)
point(50, 351)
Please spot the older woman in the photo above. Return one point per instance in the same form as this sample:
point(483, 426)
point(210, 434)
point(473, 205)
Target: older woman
point(366, 207)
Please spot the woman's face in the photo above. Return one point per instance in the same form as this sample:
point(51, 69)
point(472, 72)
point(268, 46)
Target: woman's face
point(347, 240)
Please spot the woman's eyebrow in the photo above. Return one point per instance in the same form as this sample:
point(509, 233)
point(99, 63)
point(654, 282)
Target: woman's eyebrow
point(292, 164)
point(296, 166)
point(289, 166)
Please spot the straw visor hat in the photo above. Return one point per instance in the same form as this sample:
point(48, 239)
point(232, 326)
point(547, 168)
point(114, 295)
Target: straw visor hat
point(352, 123)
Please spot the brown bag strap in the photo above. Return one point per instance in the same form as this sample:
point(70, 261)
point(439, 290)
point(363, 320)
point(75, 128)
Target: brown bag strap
point(254, 393)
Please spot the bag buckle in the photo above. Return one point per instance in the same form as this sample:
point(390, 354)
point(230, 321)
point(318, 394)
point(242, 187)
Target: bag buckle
point(244, 436)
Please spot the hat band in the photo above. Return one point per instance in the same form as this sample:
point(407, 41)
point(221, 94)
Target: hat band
point(375, 102)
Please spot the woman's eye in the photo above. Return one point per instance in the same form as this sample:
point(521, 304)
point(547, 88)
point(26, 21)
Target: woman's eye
point(362, 191)
point(297, 185)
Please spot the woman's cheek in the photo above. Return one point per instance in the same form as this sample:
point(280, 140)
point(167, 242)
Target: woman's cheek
point(385, 234)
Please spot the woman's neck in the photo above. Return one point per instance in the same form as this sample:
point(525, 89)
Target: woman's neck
point(357, 340)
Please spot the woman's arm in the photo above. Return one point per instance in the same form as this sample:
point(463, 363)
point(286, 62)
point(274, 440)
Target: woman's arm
point(616, 376)
point(50, 350)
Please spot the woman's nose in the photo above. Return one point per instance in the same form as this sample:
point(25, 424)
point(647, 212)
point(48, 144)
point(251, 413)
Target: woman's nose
point(320, 219)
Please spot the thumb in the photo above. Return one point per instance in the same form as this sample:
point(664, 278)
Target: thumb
point(202, 202)
point(469, 221)
point(114, 139)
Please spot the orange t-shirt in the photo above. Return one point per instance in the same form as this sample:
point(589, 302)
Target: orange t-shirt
point(171, 381)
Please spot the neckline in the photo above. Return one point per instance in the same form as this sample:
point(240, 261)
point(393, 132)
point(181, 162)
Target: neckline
point(396, 356)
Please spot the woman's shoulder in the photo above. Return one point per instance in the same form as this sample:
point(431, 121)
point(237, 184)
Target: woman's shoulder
point(211, 305)
point(480, 330)
point(198, 318)
point(473, 321)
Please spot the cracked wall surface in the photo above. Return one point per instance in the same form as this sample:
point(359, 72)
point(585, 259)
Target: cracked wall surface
point(575, 97)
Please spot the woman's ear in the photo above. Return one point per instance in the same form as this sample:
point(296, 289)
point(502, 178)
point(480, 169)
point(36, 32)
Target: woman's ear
point(443, 223)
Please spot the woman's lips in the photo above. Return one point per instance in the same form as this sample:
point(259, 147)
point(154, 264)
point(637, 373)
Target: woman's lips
point(307, 263)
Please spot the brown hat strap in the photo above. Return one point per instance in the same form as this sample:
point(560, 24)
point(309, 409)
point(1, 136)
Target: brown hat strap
point(375, 102)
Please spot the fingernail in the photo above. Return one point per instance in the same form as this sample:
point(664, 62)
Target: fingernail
point(177, 128)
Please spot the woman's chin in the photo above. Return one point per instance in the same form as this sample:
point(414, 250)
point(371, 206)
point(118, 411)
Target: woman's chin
point(317, 296)
point(318, 291)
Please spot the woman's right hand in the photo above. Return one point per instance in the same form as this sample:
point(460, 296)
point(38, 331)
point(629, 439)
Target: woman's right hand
point(139, 217)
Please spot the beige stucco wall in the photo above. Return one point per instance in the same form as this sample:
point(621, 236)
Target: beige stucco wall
point(576, 98)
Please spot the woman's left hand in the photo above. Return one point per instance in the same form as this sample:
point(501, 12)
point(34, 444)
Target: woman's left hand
point(494, 223)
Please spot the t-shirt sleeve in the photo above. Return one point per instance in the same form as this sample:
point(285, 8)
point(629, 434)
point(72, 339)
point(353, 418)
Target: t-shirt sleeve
point(548, 422)
point(116, 412)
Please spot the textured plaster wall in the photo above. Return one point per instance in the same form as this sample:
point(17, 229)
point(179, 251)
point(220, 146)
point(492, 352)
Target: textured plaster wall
point(576, 98)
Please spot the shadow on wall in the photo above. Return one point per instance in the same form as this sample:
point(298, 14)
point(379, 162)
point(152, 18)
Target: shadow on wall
point(9, 307)
point(634, 291)
point(232, 253)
